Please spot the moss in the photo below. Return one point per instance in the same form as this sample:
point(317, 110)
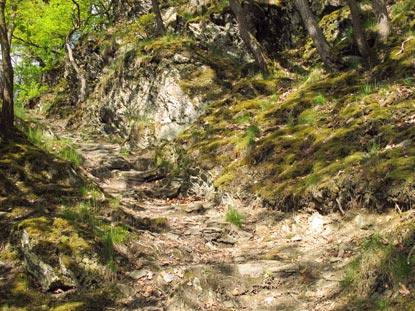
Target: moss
point(69, 306)
point(72, 244)
point(36, 227)
point(201, 82)
point(224, 179)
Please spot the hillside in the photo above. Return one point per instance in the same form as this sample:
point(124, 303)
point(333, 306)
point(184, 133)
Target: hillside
point(187, 172)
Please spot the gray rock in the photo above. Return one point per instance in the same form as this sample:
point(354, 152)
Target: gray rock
point(45, 275)
point(195, 207)
point(146, 104)
point(227, 240)
point(126, 290)
point(138, 274)
point(116, 163)
point(187, 249)
point(251, 269)
point(167, 277)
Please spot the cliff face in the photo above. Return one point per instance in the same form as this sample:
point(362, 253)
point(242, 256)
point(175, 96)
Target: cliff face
point(148, 90)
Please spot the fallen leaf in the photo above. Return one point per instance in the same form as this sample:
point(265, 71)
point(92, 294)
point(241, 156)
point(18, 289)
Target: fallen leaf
point(403, 290)
point(235, 292)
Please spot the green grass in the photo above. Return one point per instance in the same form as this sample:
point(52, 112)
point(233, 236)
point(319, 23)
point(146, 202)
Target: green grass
point(234, 217)
point(319, 100)
point(62, 148)
point(243, 119)
point(85, 213)
point(252, 132)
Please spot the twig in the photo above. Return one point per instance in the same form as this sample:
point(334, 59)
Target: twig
point(340, 206)
point(410, 254)
point(403, 46)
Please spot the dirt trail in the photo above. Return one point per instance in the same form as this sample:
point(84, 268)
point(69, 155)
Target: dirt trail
point(187, 257)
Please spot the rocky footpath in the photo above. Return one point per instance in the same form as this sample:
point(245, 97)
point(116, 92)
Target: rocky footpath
point(185, 256)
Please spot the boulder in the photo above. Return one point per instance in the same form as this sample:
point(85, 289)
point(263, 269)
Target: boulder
point(49, 278)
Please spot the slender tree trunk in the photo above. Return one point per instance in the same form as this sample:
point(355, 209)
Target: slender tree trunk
point(79, 74)
point(83, 90)
point(161, 30)
point(383, 19)
point(359, 33)
point(247, 37)
point(7, 113)
point(316, 34)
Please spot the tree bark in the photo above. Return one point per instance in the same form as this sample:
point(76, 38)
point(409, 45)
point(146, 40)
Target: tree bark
point(83, 90)
point(161, 30)
point(383, 19)
point(316, 34)
point(79, 74)
point(247, 37)
point(359, 33)
point(7, 112)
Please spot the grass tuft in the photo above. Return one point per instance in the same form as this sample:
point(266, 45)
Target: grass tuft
point(234, 217)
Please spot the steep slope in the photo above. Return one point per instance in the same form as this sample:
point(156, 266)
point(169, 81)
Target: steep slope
point(51, 255)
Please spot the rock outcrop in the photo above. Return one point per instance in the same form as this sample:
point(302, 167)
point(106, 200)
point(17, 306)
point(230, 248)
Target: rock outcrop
point(48, 278)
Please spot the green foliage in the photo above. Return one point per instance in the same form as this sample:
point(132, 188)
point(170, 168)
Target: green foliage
point(234, 217)
point(85, 213)
point(243, 119)
point(366, 89)
point(35, 135)
point(319, 100)
point(143, 27)
point(41, 28)
point(252, 132)
point(31, 91)
point(60, 147)
point(382, 262)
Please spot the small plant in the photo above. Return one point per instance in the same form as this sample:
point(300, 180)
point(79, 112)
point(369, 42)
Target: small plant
point(243, 119)
point(372, 154)
point(86, 215)
point(125, 152)
point(374, 149)
point(234, 217)
point(319, 100)
point(368, 88)
point(69, 154)
point(252, 132)
point(115, 203)
point(35, 135)
point(409, 81)
point(146, 23)
point(118, 234)
point(84, 191)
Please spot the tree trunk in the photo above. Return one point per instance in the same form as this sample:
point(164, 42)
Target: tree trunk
point(83, 91)
point(161, 30)
point(247, 37)
point(383, 19)
point(316, 33)
point(7, 113)
point(359, 33)
point(79, 74)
